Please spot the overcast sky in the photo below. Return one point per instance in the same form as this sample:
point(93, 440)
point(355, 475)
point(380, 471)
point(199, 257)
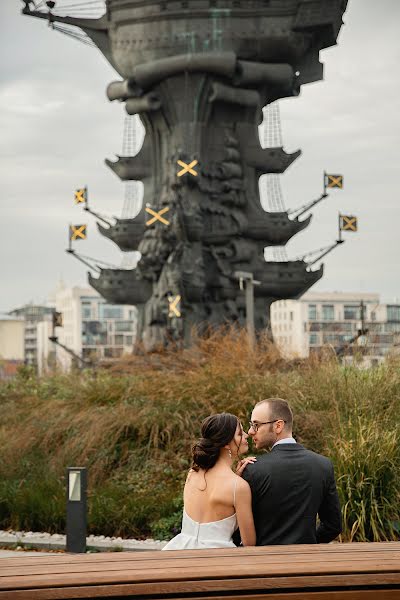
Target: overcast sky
point(57, 126)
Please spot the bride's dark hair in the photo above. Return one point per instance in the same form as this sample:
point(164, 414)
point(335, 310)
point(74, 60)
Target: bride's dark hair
point(216, 431)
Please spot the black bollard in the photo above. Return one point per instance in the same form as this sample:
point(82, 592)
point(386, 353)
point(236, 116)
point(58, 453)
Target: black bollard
point(76, 509)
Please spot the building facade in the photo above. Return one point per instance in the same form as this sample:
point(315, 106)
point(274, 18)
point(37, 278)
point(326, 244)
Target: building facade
point(93, 329)
point(11, 345)
point(45, 350)
point(333, 319)
point(32, 314)
point(11, 337)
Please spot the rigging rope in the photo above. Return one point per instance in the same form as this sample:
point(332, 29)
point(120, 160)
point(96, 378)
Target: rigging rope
point(133, 199)
point(74, 34)
point(270, 184)
point(130, 260)
point(77, 11)
point(313, 252)
point(99, 3)
point(97, 261)
point(270, 188)
point(272, 131)
point(94, 9)
point(186, 134)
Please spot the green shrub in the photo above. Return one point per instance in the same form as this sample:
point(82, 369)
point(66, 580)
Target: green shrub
point(167, 527)
point(367, 458)
point(132, 426)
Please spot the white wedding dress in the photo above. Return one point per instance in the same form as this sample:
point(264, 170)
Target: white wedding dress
point(215, 534)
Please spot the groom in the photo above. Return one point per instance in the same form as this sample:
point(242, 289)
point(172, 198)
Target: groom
point(290, 485)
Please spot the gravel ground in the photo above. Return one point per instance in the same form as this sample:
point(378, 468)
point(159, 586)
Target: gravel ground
point(44, 541)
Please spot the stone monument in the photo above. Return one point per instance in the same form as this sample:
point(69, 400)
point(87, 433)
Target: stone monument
point(199, 72)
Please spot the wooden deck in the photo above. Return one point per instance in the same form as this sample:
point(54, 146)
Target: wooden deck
point(306, 572)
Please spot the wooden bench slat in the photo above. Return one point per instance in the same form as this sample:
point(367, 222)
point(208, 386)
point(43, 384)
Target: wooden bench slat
point(278, 549)
point(193, 587)
point(281, 572)
point(343, 549)
point(283, 551)
point(118, 592)
point(169, 561)
point(176, 574)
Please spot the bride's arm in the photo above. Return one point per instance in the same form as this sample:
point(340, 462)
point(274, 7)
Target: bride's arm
point(244, 513)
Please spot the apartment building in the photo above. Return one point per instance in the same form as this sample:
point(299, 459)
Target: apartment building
point(322, 319)
point(31, 314)
point(93, 329)
point(11, 344)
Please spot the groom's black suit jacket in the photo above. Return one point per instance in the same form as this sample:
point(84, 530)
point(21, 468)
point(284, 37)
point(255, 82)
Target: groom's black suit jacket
point(291, 486)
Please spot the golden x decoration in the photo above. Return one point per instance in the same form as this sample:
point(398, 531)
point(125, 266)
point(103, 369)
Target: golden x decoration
point(187, 168)
point(349, 223)
point(173, 308)
point(77, 232)
point(335, 181)
point(80, 196)
point(157, 216)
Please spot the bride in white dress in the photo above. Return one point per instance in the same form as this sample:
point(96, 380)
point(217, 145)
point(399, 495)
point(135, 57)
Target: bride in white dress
point(216, 500)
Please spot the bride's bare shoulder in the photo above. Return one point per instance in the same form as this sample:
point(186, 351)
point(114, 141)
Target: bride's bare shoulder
point(191, 473)
point(241, 485)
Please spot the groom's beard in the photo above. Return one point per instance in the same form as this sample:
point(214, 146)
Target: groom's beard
point(272, 438)
point(269, 440)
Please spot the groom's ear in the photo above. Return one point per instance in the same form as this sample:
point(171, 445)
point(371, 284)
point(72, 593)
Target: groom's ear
point(280, 425)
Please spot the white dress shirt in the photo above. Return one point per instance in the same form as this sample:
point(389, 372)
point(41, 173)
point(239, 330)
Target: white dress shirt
point(288, 440)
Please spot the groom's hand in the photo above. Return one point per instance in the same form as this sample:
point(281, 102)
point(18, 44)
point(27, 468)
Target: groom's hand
point(242, 464)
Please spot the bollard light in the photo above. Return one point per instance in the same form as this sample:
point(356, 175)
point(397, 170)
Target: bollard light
point(76, 509)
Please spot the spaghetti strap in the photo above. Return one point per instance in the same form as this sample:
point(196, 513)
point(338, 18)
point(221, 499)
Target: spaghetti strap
point(234, 492)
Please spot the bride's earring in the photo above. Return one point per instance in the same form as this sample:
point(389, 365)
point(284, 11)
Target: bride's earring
point(230, 453)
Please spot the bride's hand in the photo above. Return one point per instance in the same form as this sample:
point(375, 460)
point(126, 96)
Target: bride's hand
point(242, 464)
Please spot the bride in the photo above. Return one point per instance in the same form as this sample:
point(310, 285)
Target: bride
point(216, 500)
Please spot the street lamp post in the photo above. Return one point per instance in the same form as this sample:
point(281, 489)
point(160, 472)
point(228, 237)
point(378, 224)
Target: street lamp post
point(249, 282)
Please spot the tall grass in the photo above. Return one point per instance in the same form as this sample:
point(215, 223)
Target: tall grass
point(132, 426)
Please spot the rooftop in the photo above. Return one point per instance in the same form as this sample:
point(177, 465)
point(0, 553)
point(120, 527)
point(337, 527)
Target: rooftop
point(340, 297)
point(6, 317)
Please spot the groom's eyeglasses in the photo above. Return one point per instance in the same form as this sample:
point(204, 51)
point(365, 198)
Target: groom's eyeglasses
point(255, 425)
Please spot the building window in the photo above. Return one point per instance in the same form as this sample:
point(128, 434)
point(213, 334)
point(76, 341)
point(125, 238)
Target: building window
point(392, 327)
point(351, 312)
point(312, 312)
point(313, 339)
point(328, 312)
point(112, 352)
point(123, 326)
point(94, 333)
point(291, 315)
point(119, 340)
point(128, 340)
point(86, 310)
point(90, 353)
point(393, 313)
point(107, 311)
point(329, 338)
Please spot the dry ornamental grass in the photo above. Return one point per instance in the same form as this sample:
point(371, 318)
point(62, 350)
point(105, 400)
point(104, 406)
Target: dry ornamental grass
point(133, 424)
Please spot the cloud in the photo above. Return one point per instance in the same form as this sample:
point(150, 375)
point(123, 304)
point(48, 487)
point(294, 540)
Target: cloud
point(58, 126)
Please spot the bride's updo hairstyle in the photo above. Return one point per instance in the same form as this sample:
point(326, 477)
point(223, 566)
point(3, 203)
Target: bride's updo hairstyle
point(216, 431)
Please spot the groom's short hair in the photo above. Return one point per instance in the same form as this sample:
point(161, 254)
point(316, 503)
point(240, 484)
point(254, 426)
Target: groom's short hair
point(279, 409)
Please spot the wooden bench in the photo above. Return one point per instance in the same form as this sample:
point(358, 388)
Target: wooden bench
point(306, 572)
